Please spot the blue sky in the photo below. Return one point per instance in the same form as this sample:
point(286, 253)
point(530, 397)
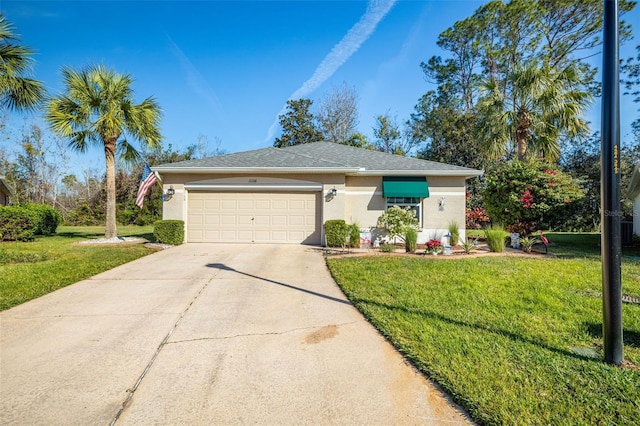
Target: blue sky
point(225, 69)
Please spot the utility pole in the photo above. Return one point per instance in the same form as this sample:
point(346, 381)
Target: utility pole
point(610, 189)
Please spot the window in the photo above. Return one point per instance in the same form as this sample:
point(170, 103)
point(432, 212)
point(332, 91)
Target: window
point(414, 203)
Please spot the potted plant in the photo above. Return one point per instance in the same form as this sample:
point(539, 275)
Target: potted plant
point(434, 247)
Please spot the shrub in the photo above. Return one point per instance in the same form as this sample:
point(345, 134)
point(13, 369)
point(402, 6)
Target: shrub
point(496, 238)
point(476, 218)
point(169, 231)
point(396, 220)
point(48, 218)
point(527, 243)
point(469, 246)
point(18, 223)
point(388, 248)
point(354, 236)
point(521, 194)
point(454, 231)
point(410, 240)
point(336, 232)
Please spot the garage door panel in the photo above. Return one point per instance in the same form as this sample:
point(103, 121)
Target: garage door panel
point(279, 220)
point(262, 204)
point(212, 220)
point(228, 205)
point(211, 204)
point(253, 217)
point(278, 204)
point(297, 220)
point(262, 220)
point(244, 219)
point(297, 205)
point(245, 205)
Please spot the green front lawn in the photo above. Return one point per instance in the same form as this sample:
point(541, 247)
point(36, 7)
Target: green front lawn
point(32, 269)
point(514, 340)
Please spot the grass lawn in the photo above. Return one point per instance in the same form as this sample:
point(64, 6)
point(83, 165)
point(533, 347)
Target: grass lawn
point(514, 340)
point(30, 270)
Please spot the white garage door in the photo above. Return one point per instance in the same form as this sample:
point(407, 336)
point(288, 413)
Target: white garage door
point(248, 217)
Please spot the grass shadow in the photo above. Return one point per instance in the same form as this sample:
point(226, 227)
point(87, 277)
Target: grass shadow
point(630, 337)
point(499, 332)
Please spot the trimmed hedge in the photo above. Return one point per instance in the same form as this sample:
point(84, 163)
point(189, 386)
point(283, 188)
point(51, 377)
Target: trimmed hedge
point(23, 223)
point(336, 232)
point(18, 223)
point(169, 231)
point(49, 218)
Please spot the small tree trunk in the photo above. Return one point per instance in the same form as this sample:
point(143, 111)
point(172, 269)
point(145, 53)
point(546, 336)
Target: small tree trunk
point(109, 155)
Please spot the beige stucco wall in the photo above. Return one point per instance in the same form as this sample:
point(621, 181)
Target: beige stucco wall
point(359, 199)
point(365, 204)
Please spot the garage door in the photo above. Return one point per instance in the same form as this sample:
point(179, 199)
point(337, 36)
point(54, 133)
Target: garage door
point(248, 217)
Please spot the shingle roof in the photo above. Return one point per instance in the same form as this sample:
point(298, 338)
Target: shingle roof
point(316, 157)
point(6, 186)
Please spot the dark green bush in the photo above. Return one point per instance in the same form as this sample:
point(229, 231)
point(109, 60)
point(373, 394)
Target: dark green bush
point(18, 223)
point(354, 236)
point(49, 218)
point(336, 232)
point(169, 231)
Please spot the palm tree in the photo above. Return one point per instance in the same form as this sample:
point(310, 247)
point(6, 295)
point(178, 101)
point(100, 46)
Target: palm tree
point(97, 108)
point(16, 91)
point(530, 110)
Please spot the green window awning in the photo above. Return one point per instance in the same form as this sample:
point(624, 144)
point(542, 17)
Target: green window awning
point(405, 186)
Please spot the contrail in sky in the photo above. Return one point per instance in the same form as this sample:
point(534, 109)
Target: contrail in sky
point(195, 80)
point(350, 43)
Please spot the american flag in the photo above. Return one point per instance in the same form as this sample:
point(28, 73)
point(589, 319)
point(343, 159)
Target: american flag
point(147, 181)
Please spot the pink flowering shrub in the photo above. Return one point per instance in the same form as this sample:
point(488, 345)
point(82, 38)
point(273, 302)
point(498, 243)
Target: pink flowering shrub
point(523, 194)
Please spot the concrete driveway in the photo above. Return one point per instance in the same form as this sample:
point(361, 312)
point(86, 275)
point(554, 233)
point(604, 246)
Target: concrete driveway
point(207, 334)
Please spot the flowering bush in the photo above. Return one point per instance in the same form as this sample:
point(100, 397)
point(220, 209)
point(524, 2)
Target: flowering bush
point(397, 220)
point(524, 194)
point(434, 246)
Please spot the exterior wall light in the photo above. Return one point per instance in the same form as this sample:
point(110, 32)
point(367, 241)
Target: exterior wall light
point(171, 191)
point(441, 203)
point(333, 191)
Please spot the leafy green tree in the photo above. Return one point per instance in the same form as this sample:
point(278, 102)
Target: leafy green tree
point(298, 125)
point(530, 110)
point(499, 45)
point(523, 195)
point(447, 131)
point(98, 108)
point(359, 141)
point(16, 90)
point(387, 134)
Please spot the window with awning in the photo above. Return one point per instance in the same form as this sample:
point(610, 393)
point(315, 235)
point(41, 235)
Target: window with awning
point(405, 186)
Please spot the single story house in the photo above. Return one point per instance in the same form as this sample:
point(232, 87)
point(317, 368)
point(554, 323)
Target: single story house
point(285, 195)
point(5, 192)
point(634, 195)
